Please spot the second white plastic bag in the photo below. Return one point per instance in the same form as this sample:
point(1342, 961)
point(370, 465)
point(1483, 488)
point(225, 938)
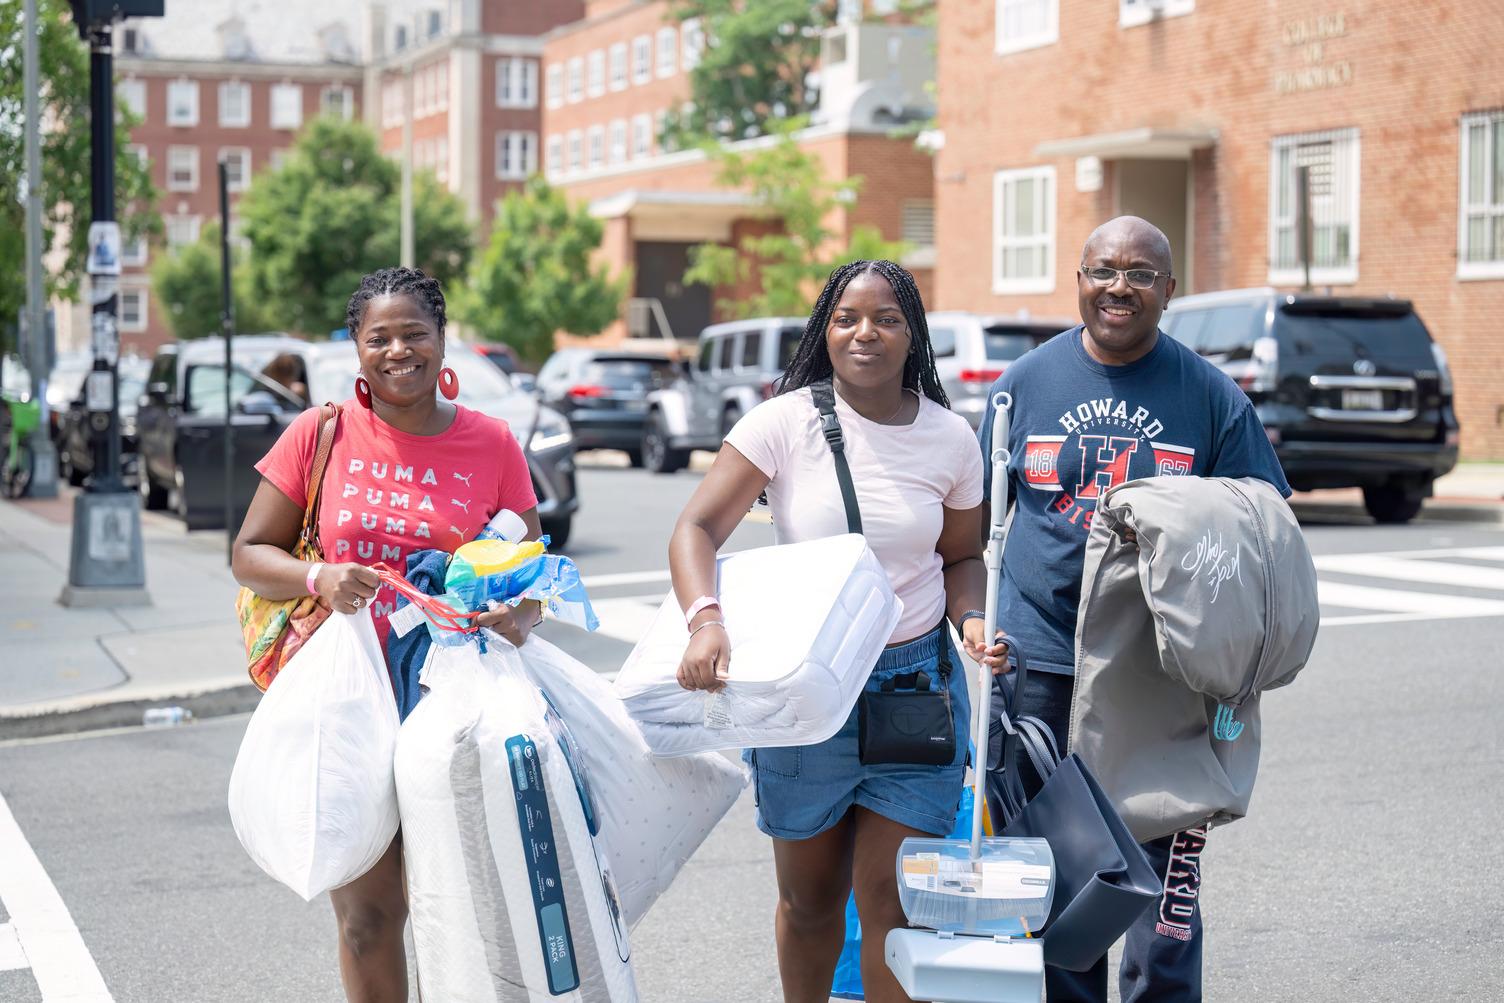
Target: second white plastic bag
point(312, 796)
point(652, 812)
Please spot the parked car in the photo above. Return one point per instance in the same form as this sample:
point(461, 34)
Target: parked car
point(1352, 391)
point(734, 370)
point(182, 414)
point(75, 435)
point(972, 350)
point(604, 393)
point(501, 355)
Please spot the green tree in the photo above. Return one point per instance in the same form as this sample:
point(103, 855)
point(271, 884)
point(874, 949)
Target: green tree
point(330, 214)
point(63, 70)
point(755, 70)
point(535, 278)
point(791, 262)
point(187, 285)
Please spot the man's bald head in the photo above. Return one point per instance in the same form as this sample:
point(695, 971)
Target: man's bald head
point(1131, 231)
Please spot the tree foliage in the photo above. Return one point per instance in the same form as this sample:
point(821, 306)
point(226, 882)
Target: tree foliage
point(755, 69)
point(187, 286)
point(330, 214)
point(789, 263)
point(535, 278)
point(63, 71)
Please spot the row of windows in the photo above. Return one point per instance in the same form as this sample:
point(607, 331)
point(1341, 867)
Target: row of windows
point(626, 63)
point(430, 95)
point(616, 143)
point(183, 167)
point(285, 105)
point(1028, 24)
point(1023, 210)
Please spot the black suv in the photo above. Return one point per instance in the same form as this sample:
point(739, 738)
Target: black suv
point(1352, 391)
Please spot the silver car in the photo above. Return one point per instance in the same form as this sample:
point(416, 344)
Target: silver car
point(972, 350)
point(734, 370)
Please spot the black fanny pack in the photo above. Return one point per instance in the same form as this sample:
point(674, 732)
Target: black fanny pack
point(907, 720)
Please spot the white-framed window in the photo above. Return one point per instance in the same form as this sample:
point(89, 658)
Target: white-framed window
point(181, 230)
point(237, 167)
point(1027, 24)
point(576, 67)
point(668, 51)
point(422, 94)
point(516, 83)
point(338, 100)
point(182, 168)
point(133, 252)
point(642, 59)
point(554, 78)
point(576, 145)
point(1135, 12)
point(182, 102)
point(1333, 159)
point(660, 121)
point(553, 161)
point(287, 106)
point(595, 140)
point(1480, 226)
point(691, 43)
point(1023, 230)
point(642, 135)
point(234, 104)
point(917, 223)
point(617, 150)
point(441, 86)
point(618, 66)
point(595, 73)
point(441, 159)
point(133, 308)
point(391, 104)
point(516, 155)
point(132, 93)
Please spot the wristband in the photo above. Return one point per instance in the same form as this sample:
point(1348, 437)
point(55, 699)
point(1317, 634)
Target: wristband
point(312, 580)
point(698, 606)
point(708, 623)
point(971, 614)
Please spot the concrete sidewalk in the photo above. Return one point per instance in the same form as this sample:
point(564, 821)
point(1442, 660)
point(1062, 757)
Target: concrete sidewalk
point(75, 669)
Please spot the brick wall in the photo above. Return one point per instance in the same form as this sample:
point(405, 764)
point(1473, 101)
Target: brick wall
point(1401, 72)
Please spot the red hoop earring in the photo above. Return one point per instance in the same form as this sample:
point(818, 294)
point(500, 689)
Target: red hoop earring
point(363, 392)
point(449, 383)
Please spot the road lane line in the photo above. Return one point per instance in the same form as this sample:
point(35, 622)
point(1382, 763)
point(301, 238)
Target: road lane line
point(1436, 605)
point(12, 957)
point(64, 970)
point(1471, 576)
point(626, 619)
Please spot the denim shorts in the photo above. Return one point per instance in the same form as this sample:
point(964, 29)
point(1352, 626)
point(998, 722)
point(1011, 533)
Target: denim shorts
point(803, 790)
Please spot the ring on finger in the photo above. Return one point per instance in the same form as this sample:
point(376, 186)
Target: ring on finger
point(357, 602)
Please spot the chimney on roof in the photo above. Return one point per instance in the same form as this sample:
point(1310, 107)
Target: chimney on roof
point(233, 42)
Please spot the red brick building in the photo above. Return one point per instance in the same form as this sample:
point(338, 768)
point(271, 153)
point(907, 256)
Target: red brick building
point(611, 79)
point(1059, 114)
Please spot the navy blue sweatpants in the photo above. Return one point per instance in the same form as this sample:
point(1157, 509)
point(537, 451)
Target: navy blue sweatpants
point(1162, 951)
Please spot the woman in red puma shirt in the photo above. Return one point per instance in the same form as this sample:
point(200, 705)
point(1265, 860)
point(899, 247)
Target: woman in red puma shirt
point(408, 471)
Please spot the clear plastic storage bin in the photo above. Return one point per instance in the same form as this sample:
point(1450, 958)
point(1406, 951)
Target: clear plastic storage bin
point(1006, 892)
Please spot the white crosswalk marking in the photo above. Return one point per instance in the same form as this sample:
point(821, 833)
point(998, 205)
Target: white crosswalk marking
point(627, 619)
point(1418, 567)
point(11, 955)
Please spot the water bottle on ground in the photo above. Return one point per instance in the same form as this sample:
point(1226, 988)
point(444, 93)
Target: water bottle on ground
point(166, 717)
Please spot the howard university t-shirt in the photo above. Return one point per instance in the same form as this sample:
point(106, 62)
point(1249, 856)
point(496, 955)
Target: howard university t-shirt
point(1078, 428)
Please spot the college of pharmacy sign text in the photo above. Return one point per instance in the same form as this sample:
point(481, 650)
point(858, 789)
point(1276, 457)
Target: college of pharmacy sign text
point(1309, 37)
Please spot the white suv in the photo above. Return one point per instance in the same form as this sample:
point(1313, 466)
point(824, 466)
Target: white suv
point(972, 350)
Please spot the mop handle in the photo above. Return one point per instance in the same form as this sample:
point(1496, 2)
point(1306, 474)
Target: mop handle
point(1002, 402)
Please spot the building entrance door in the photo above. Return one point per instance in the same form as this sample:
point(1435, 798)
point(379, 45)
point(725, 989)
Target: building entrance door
point(660, 269)
point(1159, 191)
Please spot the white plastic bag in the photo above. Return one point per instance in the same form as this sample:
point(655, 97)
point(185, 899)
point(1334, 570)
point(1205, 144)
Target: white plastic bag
point(312, 795)
point(652, 813)
point(510, 895)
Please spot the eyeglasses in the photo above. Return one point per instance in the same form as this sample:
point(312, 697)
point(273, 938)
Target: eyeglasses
point(1137, 278)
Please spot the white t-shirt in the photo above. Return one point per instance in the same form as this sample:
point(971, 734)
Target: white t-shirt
point(905, 475)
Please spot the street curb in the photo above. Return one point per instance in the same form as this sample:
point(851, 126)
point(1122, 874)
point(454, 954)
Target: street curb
point(238, 699)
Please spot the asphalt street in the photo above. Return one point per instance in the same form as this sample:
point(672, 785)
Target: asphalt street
point(1368, 867)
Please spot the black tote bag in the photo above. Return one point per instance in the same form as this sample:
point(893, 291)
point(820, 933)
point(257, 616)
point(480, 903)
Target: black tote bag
point(1103, 881)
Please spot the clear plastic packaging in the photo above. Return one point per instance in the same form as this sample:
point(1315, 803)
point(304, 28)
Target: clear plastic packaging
point(1006, 892)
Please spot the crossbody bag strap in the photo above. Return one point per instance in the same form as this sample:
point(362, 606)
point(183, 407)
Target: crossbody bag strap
point(825, 401)
point(328, 422)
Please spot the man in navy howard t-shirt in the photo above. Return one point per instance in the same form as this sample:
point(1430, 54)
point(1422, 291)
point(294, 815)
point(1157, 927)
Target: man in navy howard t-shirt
point(1111, 401)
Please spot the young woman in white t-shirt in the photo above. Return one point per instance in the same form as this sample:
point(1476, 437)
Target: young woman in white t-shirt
point(837, 822)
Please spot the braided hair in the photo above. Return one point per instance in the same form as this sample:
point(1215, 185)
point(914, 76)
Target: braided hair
point(811, 362)
point(414, 282)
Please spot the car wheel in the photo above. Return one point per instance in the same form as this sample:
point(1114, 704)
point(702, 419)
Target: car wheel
point(657, 455)
point(557, 531)
point(729, 418)
point(17, 473)
point(153, 496)
point(1390, 504)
